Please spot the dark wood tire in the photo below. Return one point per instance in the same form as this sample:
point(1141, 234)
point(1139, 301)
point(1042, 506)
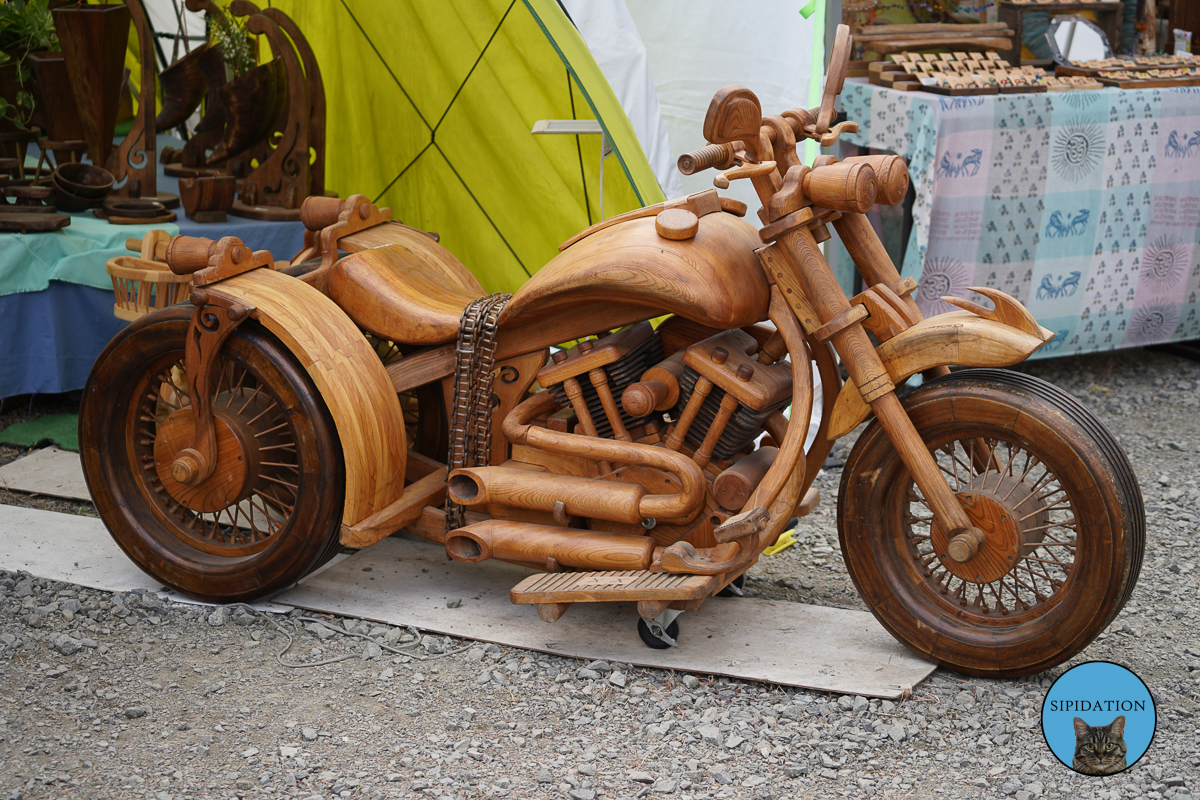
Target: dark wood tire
point(1068, 532)
point(285, 521)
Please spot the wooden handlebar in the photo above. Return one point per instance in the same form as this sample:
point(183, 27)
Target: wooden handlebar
point(720, 156)
point(849, 187)
point(320, 212)
point(160, 248)
point(714, 155)
point(188, 254)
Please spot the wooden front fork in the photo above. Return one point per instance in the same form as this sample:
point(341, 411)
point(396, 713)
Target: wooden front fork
point(874, 263)
point(873, 381)
point(215, 317)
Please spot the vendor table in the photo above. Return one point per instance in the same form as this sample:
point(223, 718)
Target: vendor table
point(1084, 205)
point(56, 299)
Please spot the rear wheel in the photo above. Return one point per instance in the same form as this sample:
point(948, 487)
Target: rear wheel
point(271, 511)
point(1051, 489)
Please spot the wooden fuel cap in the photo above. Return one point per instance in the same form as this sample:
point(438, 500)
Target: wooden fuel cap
point(676, 223)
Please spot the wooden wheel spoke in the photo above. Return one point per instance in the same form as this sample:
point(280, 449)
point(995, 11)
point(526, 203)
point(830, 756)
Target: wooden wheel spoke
point(1030, 462)
point(269, 498)
point(255, 419)
point(271, 430)
point(250, 399)
point(949, 450)
point(1066, 504)
point(281, 482)
point(237, 387)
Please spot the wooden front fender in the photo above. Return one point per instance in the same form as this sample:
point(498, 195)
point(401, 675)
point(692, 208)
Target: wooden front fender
point(351, 378)
point(957, 338)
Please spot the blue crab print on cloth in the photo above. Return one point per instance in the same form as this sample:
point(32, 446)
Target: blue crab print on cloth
point(1084, 205)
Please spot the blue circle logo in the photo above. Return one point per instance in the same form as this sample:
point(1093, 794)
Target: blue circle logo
point(1098, 718)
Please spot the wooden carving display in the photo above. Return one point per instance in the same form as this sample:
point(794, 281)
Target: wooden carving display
point(989, 520)
point(134, 160)
point(275, 189)
point(266, 127)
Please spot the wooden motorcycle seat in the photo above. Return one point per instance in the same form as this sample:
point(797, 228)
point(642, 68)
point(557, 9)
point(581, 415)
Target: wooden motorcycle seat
point(406, 288)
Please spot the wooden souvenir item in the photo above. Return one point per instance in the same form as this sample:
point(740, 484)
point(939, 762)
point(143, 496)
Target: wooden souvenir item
point(207, 198)
point(275, 189)
point(119, 210)
point(210, 130)
point(53, 95)
point(957, 74)
point(989, 521)
point(134, 161)
point(183, 86)
point(28, 209)
point(93, 42)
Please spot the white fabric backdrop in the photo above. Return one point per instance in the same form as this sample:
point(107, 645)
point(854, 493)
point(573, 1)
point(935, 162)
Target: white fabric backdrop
point(695, 48)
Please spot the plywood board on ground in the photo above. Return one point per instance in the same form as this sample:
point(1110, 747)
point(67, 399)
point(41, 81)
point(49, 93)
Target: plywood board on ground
point(49, 471)
point(79, 550)
point(404, 581)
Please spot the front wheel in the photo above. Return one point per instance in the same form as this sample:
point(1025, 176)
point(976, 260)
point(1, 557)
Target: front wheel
point(1055, 495)
point(271, 511)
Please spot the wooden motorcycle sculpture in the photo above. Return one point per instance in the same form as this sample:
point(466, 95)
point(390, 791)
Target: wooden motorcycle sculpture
point(989, 521)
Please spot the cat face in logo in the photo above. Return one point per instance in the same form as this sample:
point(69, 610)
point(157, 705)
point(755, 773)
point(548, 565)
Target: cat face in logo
point(1099, 750)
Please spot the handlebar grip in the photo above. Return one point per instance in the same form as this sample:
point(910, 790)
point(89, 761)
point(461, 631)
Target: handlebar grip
point(800, 118)
point(188, 254)
point(891, 175)
point(320, 212)
point(849, 187)
point(714, 155)
point(160, 248)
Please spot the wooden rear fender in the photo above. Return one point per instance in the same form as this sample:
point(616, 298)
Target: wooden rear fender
point(957, 338)
point(350, 377)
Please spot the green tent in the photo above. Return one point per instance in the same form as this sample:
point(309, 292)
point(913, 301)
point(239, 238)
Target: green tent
point(430, 111)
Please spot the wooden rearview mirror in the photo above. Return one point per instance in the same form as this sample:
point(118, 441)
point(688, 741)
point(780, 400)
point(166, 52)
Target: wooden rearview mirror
point(734, 115)
point(839, 62)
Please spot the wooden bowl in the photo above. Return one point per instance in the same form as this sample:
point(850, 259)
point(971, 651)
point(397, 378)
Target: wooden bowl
point(67, 200)
point(85, 180)
point(133, 207)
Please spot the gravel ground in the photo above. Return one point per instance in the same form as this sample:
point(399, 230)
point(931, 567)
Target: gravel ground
point(121, 695)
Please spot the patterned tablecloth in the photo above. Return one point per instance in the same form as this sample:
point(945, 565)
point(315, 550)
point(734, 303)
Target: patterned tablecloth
point(1084, 205)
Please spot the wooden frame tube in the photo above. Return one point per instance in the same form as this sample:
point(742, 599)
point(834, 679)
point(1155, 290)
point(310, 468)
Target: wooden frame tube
point(541, 491)
point(535, 544)
point(868, 253)
point(518, 430)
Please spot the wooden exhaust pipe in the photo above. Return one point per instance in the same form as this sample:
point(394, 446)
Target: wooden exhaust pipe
point(525, 543)
point(684, 506)
point(583, 497)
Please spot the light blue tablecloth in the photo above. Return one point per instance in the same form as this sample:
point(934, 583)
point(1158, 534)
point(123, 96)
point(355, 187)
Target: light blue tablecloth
point(1084, 205)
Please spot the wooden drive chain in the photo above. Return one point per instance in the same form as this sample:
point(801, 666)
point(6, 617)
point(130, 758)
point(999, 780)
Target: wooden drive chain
point(471, 423)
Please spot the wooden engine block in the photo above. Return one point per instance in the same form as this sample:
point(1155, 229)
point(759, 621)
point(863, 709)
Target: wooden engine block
point(709, 402)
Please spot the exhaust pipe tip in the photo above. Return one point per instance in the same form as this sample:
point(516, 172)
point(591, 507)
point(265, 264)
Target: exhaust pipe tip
point(466, 548)
point(464, 488)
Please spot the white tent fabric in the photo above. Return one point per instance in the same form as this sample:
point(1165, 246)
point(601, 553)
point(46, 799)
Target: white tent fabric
point(614, 42)
point(695, 48)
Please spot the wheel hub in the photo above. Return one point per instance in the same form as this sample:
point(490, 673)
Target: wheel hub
point(997, 510)
point(235, 470)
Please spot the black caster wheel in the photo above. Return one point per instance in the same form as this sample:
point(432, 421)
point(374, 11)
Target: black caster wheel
point(734, 589)
point(653, 641)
